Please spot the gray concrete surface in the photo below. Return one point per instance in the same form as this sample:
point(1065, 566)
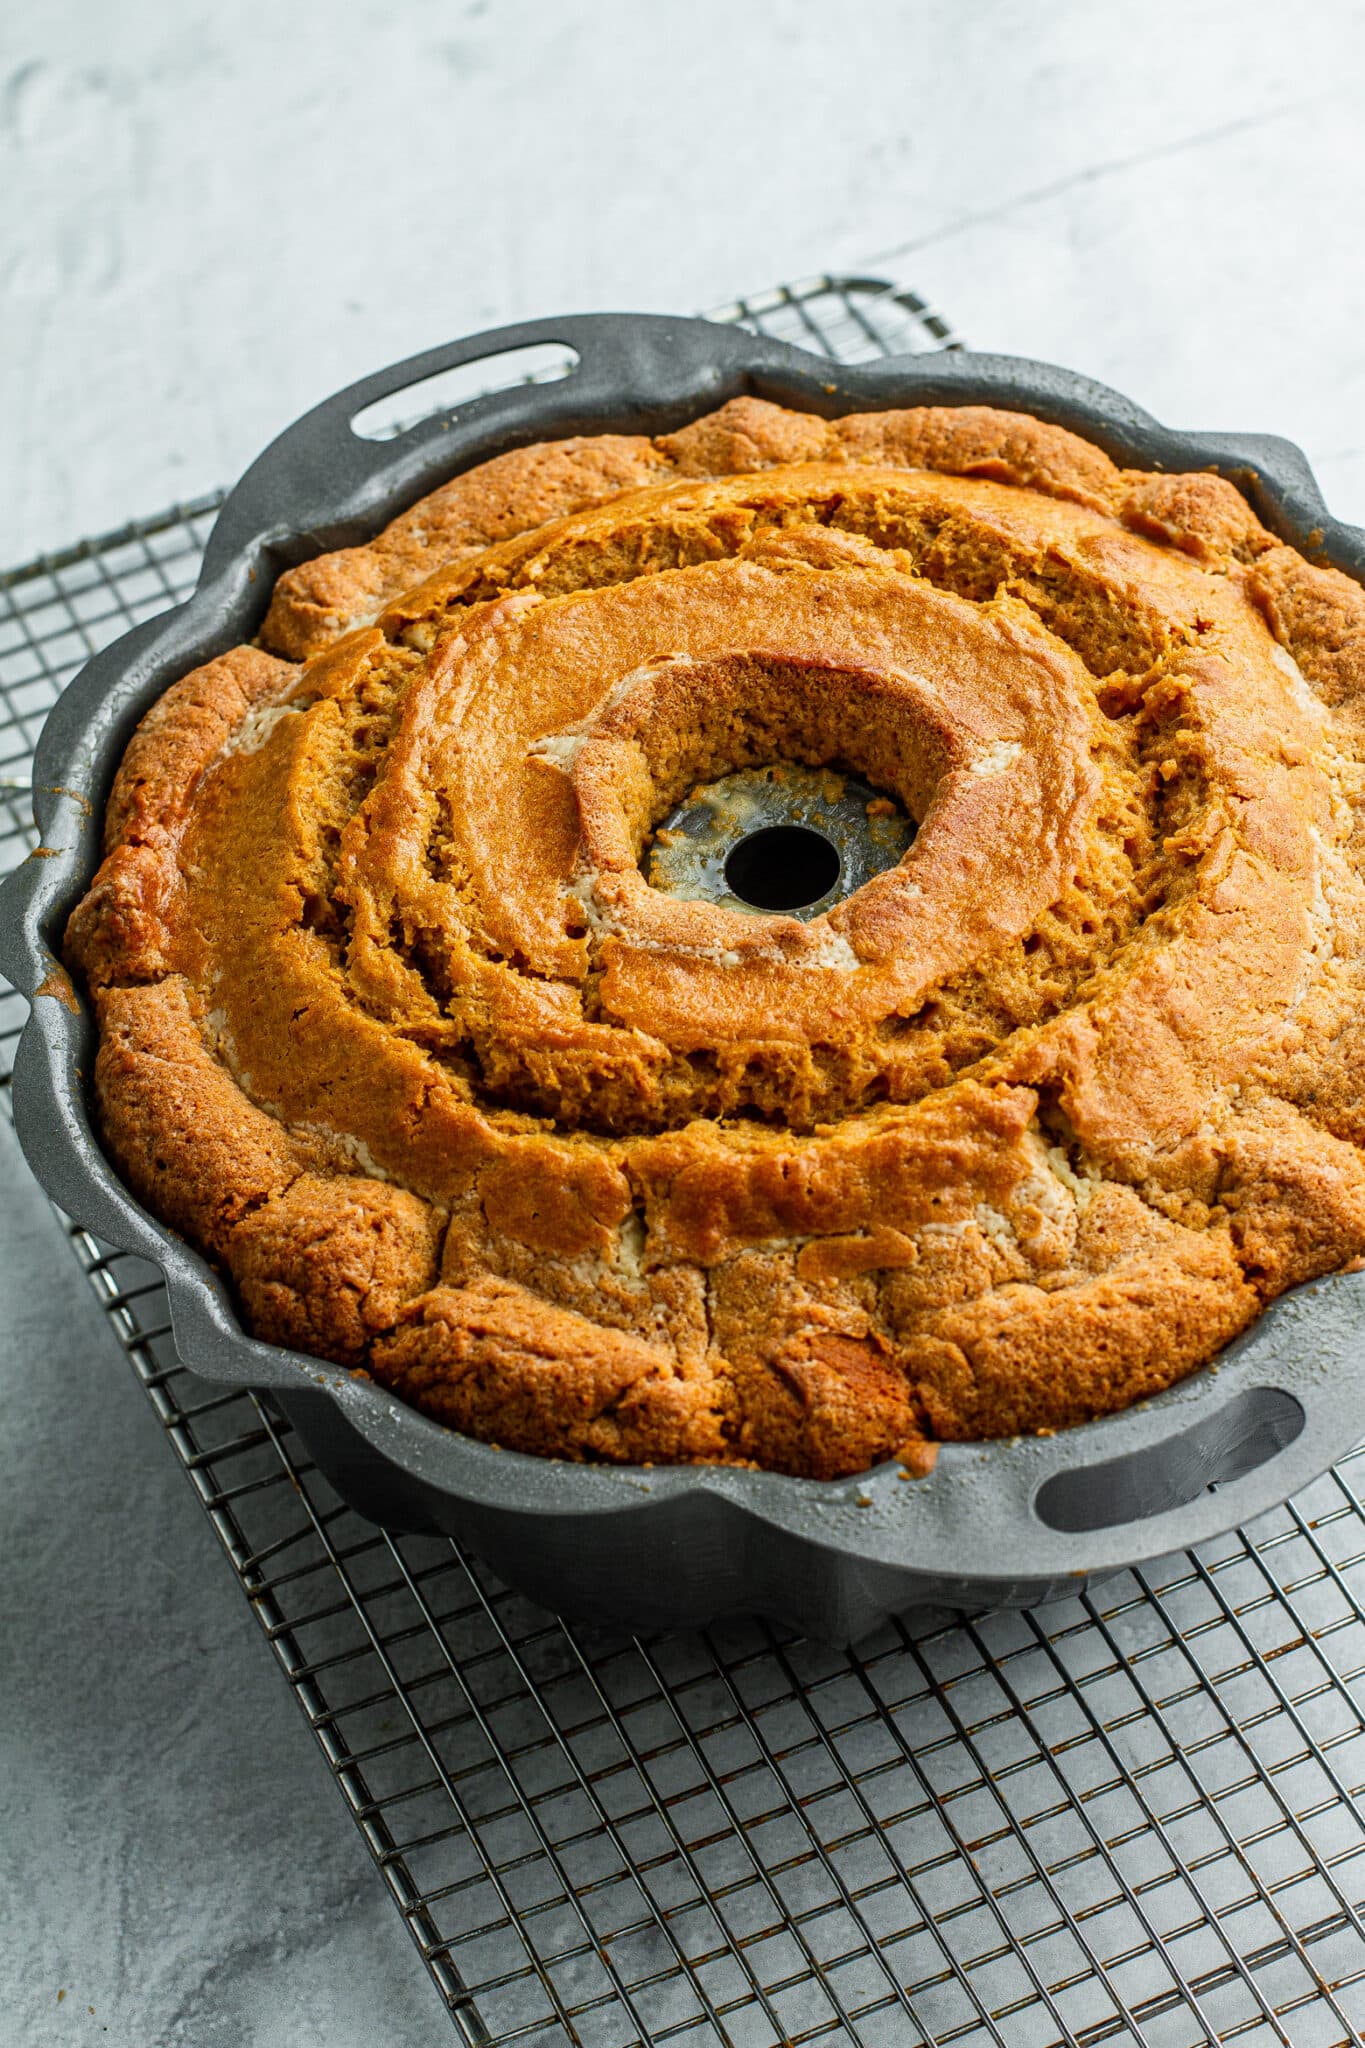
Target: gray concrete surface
point(172, 1853)
point(212, 216)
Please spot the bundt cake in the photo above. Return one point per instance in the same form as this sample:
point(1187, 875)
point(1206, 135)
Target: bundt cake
point(449, 1002)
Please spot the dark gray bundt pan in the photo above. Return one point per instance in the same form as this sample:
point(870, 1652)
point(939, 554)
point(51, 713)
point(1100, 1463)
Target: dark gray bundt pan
point(995, 1524)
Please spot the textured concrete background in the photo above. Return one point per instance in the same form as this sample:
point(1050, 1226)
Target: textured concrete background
point(212, 216)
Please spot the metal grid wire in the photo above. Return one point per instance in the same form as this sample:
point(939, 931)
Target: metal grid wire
point(1132, 1816)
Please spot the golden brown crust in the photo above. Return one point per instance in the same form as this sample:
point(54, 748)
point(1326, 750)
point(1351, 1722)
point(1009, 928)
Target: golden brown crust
point(527, 488)
point(990, 1367)
point(1027, 1128)
point(1206, 516)
point(328, 1263)
point(498, 1361)
point(121, 930)
point(192, 1146)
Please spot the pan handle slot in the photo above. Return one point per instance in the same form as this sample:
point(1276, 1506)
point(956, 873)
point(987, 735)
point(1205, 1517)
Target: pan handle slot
point(1249, 1429)
point(384, 419)
point(329, 479)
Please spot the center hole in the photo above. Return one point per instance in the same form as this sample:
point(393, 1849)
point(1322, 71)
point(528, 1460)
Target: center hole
point(783, 867)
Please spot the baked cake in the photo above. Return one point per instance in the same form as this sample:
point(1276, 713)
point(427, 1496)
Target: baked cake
point(397, 1028)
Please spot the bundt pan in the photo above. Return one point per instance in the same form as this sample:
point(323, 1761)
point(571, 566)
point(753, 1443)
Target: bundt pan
point(1010, 1523)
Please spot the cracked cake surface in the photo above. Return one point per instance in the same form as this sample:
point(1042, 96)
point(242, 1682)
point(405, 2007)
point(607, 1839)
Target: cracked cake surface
point(395, 1028)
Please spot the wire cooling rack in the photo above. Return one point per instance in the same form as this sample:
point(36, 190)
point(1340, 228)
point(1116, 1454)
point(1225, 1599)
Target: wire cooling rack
point(1133, 1816)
